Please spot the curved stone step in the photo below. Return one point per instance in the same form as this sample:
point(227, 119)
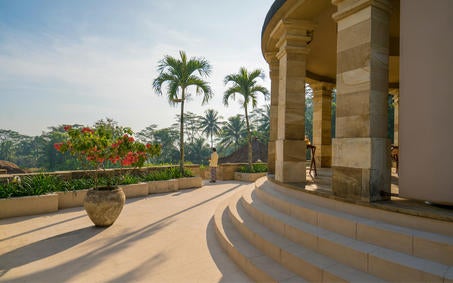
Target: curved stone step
point(378, 261)
point(418, 243)
point(303, 261)
point(371, 212)
point(252, 261)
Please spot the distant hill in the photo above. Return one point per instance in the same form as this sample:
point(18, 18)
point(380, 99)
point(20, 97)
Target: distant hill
point(259, 153)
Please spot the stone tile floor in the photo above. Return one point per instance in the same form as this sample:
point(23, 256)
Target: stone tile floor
point(160, 238)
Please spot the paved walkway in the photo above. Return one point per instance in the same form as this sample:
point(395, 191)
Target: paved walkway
point(159, 238)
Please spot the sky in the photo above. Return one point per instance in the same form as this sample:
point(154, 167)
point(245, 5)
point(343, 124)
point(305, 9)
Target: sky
point(76, 62)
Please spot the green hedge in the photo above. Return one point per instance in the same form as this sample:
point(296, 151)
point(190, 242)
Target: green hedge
point(44, 184)
point(257, 168)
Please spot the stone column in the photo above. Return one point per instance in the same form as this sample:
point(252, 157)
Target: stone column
point(361, 159)
point(292, 55)
point(273, 74)
point(322, 123)
point(396, 106)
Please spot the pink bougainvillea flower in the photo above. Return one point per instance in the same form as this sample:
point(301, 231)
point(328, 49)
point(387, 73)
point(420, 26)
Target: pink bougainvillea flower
point(58, 145)
point(87, 130)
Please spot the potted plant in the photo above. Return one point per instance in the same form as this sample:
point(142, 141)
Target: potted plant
point(95, 148)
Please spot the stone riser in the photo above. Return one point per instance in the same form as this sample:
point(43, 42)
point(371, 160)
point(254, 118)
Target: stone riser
point(313, 249)
point(251, 260)
point(371, 213)
point(310, 265)
point(362, 256)
point(430, 246)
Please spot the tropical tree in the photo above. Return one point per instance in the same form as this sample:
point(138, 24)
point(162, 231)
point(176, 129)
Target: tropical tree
point(9, 141)
point(245, 84)
point(210, 124)
point(168, 138)
point(262, 121)
point(198, 151)
point(233, 132)
point(179, 74)
point(191, 121)
point(147, 134)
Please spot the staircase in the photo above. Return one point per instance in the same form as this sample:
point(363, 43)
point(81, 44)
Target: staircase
point(276, 234)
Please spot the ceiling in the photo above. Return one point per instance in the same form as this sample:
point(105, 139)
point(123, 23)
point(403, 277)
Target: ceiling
point(321, 61)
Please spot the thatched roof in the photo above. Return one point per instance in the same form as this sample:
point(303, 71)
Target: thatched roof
point(10, 167)
point(259, 153)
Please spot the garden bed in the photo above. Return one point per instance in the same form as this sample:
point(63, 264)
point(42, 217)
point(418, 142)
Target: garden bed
point(28, 205)
point(31, 205)
point(248, 177)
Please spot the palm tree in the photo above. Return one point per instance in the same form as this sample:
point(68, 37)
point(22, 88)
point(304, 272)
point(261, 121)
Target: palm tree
point(178, 74)
point(198, 151)
point(210, 124)
point(262, 119)
point(233, 132)
point(244, 83)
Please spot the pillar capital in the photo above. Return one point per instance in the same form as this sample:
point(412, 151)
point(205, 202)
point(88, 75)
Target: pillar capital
point(322, 86)
point(350, 7)
point(271, 58)
point(293, 36)
point(274, 64)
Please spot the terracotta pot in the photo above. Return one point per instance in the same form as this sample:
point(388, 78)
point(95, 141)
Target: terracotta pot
point(104, 205)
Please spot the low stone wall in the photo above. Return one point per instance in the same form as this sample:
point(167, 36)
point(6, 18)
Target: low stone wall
point(248, 177)
point(135, 190)
point(71, 199)
point(31, 205)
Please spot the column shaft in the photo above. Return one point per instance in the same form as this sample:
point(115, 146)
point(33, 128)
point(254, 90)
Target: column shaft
point(290, 145)
point(361, 159)
point(274, 76)
point(322, 123)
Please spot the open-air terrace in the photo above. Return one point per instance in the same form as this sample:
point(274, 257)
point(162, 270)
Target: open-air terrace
point(160, 238)
point(170, 237)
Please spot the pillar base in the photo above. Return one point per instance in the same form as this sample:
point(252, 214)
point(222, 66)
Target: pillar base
point(361, 169)
point(290, 171)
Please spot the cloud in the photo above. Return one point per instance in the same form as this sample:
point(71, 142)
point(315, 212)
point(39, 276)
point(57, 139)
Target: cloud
point(83, 78)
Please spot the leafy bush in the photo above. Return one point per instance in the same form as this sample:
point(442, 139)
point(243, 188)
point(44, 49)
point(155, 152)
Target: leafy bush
point(44, 184)
point(167, 174)
point(258, 168)
point(129, 179)
point(31, 186)
point(78, 184)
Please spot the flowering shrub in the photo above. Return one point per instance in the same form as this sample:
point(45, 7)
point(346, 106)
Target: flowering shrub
point(97, 146)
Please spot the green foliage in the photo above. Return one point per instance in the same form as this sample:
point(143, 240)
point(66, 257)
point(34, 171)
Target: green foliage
point(234, 133)
point(106, 143)
point(210, 124)
point(244, 83)
point(176, 76)
point(43, 183)
point(31, 186)
point(167, 174)
point(128, 179)
point(78, 184)
point(257, 168)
